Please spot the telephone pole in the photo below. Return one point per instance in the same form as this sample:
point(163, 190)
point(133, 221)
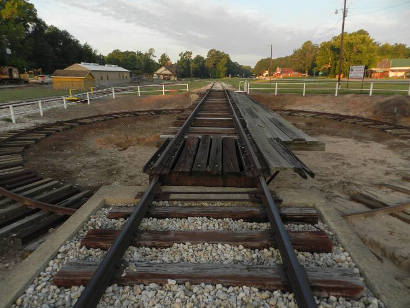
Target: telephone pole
point(270, 65)
point(341, 42)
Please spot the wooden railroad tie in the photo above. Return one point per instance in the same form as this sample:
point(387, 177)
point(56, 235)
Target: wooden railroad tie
point(246, 213)
point(309, 241)
point(324, 282)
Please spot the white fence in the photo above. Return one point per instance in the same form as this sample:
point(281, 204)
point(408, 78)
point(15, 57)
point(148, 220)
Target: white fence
point(329, 87)
point(39, 105)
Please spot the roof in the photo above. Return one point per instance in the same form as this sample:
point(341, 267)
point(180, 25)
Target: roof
point(105, 68)
point(163, 70)
point(400, 62)
point(71, 73)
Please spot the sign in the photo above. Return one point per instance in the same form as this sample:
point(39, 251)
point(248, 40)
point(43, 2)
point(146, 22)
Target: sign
point(356, 72)
point(8, 51)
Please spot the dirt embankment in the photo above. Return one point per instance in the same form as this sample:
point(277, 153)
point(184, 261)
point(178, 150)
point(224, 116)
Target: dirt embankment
point(392, 108)
point(109, 152)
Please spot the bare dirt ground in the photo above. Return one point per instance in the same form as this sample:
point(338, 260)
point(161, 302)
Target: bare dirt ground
point(109, 152)
point(392, 108)
point(357, 159)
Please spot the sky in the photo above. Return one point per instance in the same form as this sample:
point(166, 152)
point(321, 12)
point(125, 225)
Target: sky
point(243, 29)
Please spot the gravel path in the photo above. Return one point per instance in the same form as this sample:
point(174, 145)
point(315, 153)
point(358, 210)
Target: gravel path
point(42, 293)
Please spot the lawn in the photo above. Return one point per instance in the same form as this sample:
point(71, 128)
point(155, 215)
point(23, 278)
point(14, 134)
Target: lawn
point(30, 92)
point(326, 86)
point(290, 86)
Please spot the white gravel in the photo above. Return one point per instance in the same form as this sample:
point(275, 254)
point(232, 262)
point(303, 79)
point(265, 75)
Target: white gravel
point(42, 293)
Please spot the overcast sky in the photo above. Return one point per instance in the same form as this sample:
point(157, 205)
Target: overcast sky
point(244, 29)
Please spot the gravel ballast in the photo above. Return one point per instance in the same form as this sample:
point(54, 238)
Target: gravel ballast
point(42, 293)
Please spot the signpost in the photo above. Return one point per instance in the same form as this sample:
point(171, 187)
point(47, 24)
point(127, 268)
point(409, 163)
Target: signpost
point(356, 72)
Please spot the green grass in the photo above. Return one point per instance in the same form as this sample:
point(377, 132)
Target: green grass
point(31, 92)
point(328, 87)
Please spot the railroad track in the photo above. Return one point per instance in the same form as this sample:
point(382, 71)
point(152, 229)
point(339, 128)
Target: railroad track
point(390, 128)
point(29, 203)
point(211, 146)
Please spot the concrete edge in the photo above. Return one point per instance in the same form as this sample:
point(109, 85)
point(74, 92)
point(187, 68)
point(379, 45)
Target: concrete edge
point(379, 276)
point(18, 280)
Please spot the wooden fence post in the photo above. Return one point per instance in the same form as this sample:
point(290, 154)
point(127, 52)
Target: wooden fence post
point(336, 88)
point(371, 89)
point(163, 89)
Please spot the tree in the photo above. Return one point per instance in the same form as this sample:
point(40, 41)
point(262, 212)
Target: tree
point(184, 64)
point(16, 20)
point(198, 67)
point(387, 51)
point(218, 63)
point(164, 59)
point(304, 57)
point(148, 63)
point(359, 49)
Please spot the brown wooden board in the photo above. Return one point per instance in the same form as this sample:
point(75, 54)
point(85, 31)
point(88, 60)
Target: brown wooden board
point(246, 213)
point(368, 200)
point(313, 241)
point(383, 210)
point(201, 159)
point(230, 159)
point(215, 156)
point(323, 281)
point(210, 122)
point(187, 156)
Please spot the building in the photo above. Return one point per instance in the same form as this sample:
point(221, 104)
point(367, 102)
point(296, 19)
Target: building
point(167, 72)
point(391, 68)
point(72, 79)
point(285, 72)
point(104, 75)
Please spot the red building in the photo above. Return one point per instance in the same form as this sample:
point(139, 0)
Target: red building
point(285, 72)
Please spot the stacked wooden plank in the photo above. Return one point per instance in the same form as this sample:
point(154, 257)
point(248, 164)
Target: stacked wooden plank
point(274, 136)
point(263, 122)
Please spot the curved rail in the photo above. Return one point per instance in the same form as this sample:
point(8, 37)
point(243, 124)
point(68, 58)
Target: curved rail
point(366, 122)
point(36, 204)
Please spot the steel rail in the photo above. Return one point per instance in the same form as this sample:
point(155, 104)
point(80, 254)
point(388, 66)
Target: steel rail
point(293, 270)
point(180, 135)
point(112, 260)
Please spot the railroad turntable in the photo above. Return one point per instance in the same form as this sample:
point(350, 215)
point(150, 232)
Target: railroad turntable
point(207, 231)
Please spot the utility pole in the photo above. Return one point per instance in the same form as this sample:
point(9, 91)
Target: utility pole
point(341, 42)
point(270, 65)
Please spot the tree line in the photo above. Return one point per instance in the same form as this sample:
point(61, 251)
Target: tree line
point(217, 64)
point(27, 42)
point(359, 48)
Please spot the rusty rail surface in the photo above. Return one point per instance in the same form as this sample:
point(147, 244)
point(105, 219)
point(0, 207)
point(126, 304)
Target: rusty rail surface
point(36, 204)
